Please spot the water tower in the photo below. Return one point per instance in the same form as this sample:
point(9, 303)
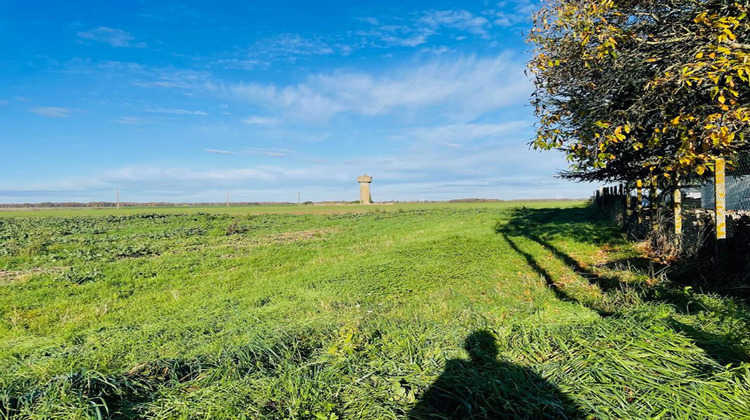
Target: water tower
point(364, 189)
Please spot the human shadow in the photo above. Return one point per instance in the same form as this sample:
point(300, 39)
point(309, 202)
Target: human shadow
point(485, 388)
point(582, 225)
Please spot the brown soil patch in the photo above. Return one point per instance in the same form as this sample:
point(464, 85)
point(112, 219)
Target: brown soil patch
point(11, 277)
point(299, 235)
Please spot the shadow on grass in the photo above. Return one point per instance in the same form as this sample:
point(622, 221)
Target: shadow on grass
point(583, 225)
point(128, 395)
point(485, 388)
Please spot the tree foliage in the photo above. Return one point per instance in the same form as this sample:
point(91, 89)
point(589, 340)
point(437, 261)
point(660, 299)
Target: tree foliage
point(636, 88)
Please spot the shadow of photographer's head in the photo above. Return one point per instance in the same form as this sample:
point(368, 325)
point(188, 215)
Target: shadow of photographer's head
point(481, 347)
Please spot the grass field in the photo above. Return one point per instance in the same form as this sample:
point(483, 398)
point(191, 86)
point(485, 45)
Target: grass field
point(378, 312)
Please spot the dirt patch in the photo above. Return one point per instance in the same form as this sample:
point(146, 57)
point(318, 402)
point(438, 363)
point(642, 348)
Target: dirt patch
point(242, 242)
point(14, 277)
point(299, 235)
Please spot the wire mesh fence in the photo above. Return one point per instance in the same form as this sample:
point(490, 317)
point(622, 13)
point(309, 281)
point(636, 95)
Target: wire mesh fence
point(682, 219)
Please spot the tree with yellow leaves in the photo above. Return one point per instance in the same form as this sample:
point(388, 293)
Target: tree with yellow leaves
point(635, 89)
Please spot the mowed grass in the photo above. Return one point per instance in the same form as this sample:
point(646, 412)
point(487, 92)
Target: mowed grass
point(404, 311)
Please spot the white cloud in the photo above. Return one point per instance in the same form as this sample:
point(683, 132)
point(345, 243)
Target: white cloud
point(421, 26)
point(493, 169)
point(290, 46)
point(258, 120)
point(172, 78)
point(176, 111)
point(369, 19)
point(438, 50)
point(467, 86)
point(507, 15)
point(396, 35)
point(52, 111)
point(133, 120)
point(240, 63)
point(268, 152)
point(463, 133)
point(111, 36)
point(219, 152)
point(456, 19)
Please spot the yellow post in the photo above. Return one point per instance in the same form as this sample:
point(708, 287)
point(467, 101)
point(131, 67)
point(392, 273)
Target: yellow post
point(677, 213)
point(720, 201)
point(653, 199)
point(639, 202)
point(720, 192)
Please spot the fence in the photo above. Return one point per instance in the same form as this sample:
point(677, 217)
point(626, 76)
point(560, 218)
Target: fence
point(689, 218)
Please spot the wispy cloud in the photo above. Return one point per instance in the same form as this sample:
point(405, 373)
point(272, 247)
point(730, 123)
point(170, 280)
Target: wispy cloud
point(466, 87)
point(421, 26)
point(133, 120)
point(4, 102)
point(396, 35)
point(219, 152)
point(171, 78)
point(290, 46)
point(430, 171)
point(511, 14)
point(413, 31)
point(258, 120)
point(457, 134)
point(461, 20)
point(112, 36)
point(268, 152)
point(437, 50)
point(243, 63)
point(175, 111)
point(52, 111)
point(254, 151)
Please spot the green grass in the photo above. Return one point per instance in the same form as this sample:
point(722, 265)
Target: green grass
point(403, 311)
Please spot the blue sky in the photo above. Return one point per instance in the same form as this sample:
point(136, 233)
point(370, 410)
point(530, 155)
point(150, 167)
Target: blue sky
point(183, 101)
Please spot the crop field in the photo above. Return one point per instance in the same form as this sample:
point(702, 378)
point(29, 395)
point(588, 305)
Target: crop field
point(506, 310)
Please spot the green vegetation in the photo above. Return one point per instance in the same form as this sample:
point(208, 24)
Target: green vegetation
point(639, 89)
point(404, 311)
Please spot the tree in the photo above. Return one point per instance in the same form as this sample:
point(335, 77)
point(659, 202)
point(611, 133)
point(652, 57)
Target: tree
point(629, 89)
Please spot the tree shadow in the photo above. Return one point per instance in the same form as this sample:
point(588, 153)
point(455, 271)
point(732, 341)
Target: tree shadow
point(556, 287)
point(583, 225)
point(485, 388)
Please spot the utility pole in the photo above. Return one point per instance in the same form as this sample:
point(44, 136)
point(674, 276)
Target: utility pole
point(117, 195)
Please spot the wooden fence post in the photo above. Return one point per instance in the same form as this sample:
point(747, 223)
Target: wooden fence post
point(720, 198)
point(677, 201)
point(628, 204)
point(639, 202)
point(653, 200)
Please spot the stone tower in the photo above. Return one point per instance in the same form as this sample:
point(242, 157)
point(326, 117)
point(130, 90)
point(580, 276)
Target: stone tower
point(364, 189)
